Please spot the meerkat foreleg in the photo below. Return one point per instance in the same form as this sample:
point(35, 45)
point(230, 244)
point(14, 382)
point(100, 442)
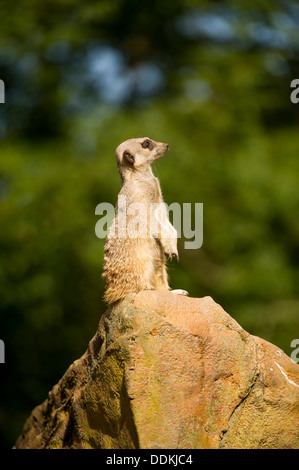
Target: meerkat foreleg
point(167, 235)
point(162, 229)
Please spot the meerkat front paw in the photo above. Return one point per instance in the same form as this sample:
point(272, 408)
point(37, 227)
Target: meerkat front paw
point(173, 254)
point(179, 292)
point(170, 250)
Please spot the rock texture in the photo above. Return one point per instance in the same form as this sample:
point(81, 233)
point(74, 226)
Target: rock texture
point(167, 371)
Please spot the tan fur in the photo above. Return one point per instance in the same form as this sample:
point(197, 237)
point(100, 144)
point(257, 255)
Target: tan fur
point(135, 264)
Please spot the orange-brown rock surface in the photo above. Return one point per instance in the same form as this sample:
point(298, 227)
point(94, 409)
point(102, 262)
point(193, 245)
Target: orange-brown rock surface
point(168, 371)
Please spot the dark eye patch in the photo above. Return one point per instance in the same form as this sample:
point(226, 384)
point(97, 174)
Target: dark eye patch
point(148, 144)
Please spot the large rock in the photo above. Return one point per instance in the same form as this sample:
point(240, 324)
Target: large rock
point(167, 371)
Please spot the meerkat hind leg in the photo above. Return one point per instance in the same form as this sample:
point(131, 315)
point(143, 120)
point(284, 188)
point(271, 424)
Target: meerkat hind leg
point(179, 292)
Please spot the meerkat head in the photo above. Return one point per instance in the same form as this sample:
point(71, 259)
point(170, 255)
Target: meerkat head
point(139, 154)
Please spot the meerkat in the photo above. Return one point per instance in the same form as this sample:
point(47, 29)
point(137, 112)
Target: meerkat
point(135, 262)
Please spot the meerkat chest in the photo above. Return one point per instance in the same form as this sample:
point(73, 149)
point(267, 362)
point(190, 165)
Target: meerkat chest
point(146, 191)
point(155, 191)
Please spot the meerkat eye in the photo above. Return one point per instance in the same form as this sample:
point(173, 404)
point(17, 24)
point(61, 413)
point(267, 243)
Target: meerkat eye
point(146, 144)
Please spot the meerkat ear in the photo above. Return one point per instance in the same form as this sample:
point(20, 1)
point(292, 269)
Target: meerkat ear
point(128, 157)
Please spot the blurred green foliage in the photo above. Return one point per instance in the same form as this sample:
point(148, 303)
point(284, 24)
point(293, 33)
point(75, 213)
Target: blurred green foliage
point(210, 78)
